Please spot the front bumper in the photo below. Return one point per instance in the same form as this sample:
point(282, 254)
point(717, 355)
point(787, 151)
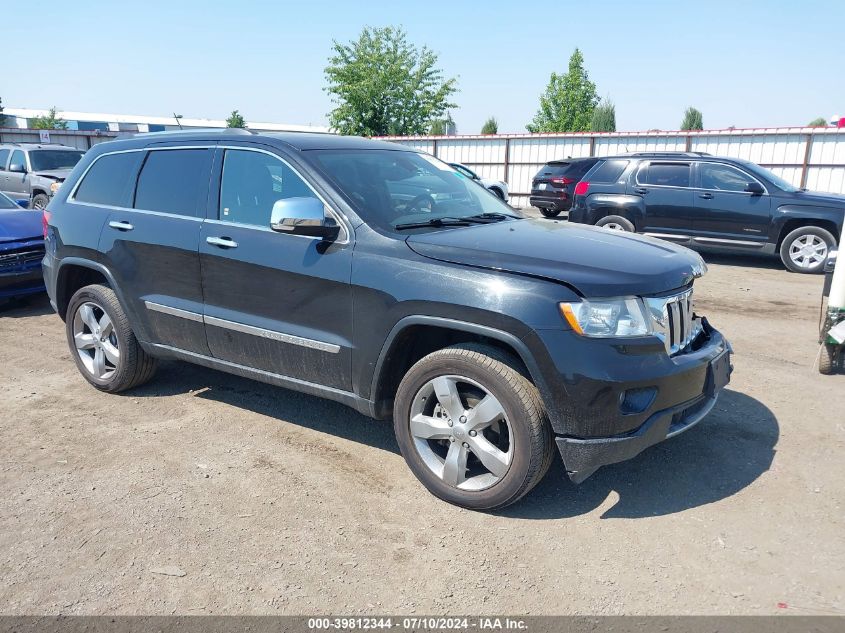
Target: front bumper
point(20, 271)
point(595, 423)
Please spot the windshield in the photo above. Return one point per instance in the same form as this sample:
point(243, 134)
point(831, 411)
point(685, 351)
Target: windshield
point(764, 173)
point(390, 188)
point(7, 203)
point(49, 159)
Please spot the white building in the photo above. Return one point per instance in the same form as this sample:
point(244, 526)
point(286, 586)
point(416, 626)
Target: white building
point(92, 121)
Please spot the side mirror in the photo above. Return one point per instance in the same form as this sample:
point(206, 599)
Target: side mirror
point(755, 188)
point(17, 168)
point(303, 216)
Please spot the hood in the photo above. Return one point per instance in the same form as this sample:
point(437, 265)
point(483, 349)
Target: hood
point(595, 262)
point(56, 174)
point(19, 224)
point(825, 199)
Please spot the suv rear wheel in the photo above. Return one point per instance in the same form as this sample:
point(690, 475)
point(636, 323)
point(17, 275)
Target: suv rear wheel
point(805, 249)
point(616, 223)
point(472, 428)
point(549, 213)
point(101, 342)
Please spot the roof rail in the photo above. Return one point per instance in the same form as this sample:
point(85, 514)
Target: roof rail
point(202, 130)
point(667, 153)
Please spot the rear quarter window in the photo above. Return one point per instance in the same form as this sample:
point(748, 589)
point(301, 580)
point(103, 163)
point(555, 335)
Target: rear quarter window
point(108, 180)
point(609, 171)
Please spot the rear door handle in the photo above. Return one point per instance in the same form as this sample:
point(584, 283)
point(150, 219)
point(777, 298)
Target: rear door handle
point(706, 196)
point(121, 226)
point(640, 190)
point(222, 242)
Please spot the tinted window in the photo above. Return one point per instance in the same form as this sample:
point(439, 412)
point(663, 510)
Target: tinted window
point(107, 182)
point(18, 158)
point(609, 171)
point(174, 181)
point(47, 159)
point(4, 156)
point(667, 174)
point(553, 169)
point(722, 177)
point(252, 182)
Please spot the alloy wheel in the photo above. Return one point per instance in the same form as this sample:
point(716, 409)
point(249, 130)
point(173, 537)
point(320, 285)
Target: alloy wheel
point(95, 340)
point(613, 226)
point(461, 432)
point(808, 251)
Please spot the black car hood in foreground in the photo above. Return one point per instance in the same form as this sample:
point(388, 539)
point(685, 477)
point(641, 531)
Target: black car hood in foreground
point(595, 262)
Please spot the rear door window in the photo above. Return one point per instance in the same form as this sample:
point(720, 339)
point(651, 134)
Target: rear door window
point(174, 181)
point(107, 181)
point(666, 175)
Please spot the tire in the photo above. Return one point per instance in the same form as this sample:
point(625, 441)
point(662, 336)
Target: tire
point(809, 259)
point(828, 360)
point(617, 223)
point(96, 320)
point(40, 201)
point(549, 213)
point(520, 435)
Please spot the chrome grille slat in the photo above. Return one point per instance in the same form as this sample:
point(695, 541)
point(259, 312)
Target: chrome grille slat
point(673, 320)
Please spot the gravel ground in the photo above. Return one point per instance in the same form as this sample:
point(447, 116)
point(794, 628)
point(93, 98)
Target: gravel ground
point(205, 493)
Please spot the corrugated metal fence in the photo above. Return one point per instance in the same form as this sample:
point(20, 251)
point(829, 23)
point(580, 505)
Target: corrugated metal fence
point(807, 157)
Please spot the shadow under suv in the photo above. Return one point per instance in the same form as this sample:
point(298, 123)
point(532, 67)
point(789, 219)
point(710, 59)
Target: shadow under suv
point(712, 204)
point(379, 277)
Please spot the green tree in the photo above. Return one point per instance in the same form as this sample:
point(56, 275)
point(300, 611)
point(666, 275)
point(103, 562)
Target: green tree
point(491, 126)
point(604, 117)
point(692, 120)
point(50, 121)
point(819, 122)
point(235, 120)
point(569, 100)
point(381, 84)
point(438, 128)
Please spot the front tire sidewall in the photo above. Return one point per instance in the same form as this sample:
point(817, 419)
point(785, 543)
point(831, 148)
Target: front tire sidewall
point(825, 235)
point(42, 199)
point(94, 294)
point(510, 486)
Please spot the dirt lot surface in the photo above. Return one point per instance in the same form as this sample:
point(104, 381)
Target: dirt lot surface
point(204, 493)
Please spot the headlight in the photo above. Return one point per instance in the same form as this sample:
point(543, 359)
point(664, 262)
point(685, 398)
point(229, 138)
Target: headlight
point(55, 187)
point(625, 316)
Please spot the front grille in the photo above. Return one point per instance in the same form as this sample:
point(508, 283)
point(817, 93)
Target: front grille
point(674, 321)
point(21, 258)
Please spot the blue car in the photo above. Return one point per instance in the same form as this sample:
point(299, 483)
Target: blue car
point(21, 249)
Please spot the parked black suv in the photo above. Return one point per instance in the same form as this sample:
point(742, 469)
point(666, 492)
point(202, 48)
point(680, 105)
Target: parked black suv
point(377, 276)
point(711, 203)
point(554, 184)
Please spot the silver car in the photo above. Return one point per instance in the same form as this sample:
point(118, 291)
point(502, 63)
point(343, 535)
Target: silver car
point(35, 172)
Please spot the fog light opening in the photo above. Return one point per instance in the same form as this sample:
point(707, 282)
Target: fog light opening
point(636, 400)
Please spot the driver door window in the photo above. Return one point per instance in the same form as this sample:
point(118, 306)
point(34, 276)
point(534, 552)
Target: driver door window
point(722, 177)
point(251, 184)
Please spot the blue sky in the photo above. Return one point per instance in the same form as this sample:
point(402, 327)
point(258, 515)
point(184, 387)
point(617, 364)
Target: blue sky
point(742, 63)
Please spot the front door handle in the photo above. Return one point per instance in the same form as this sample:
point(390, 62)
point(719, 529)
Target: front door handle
point(222, 242)
point(640, 190)
point(706, 196)
point(121, 226)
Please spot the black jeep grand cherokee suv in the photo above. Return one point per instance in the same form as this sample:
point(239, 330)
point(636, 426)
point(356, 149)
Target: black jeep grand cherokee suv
point(381, 278)
point(712, 204)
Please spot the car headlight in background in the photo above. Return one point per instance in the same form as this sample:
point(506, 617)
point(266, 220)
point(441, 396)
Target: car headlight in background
point(55, 187)
point(625, 316)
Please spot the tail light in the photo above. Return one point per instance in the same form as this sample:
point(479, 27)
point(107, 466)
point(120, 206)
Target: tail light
point(581, 188)
point(45, 221)
point(563, 180)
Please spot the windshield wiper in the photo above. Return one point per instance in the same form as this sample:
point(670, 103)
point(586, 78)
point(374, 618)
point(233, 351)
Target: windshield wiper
point(438, 222)
point(495, 216)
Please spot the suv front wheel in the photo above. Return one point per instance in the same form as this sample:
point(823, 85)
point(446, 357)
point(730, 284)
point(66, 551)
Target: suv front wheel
point(101, 342)
point(472, 428)
point(805, 249)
